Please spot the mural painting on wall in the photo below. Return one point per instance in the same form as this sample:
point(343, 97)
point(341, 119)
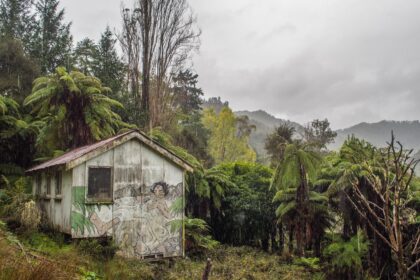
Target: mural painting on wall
point(90, 220)
point(147, 220)
point(142, 219)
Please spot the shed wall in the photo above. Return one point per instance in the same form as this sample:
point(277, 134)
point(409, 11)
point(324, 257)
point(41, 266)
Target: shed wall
point(140, 218)
point(55, 207)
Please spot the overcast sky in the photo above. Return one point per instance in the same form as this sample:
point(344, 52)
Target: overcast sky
point(346, 60)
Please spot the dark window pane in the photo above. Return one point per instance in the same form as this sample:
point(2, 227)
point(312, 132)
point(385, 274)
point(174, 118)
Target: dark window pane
point(58, 183)
point(38, 184)
point(48, 184)
point(99, 183)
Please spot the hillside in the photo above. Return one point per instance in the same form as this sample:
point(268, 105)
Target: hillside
point(265, 124)
point(407, 132)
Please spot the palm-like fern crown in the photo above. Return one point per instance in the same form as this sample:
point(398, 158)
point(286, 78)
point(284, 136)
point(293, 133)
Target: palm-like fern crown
point(74, 105)
point(298, 157)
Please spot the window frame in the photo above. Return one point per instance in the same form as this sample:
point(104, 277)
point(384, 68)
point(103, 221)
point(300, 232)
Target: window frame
point(92, 199)
point(48, 185)
point(58, 186)
point(38, 184)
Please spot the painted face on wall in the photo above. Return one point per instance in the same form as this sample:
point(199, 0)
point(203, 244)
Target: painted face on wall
point(160, 189)
point(159, 192)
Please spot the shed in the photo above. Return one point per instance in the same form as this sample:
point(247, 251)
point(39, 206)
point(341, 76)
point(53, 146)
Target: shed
point(123, 187)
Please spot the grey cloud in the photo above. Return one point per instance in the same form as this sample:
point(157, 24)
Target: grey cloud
point(349, 61)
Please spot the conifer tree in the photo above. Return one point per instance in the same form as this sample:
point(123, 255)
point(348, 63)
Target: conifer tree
point(52, 40)
point(85, 56)
point(15, 18)
point(108, 66)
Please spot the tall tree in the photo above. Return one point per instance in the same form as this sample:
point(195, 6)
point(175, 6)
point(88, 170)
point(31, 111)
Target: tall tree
point(186, 93)
point(16, 19)
point(85, 56)
point(52, 39)
point(108, 66)
point(17, 70)
point(297, 169)
point(165, 33)
point(75, 108)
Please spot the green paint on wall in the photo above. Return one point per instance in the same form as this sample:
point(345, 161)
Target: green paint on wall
point(80, 212)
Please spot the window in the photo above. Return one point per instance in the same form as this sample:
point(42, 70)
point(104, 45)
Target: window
point(38, 184)
point(58, 183)
point(48, 185)
point(99, 183)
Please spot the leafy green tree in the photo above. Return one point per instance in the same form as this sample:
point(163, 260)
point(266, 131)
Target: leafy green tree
point(224, 145)
point(276, 142)
point(319, 133)
point(17, 138)
point(193, 137)
point(52, 40)
point(17, 70)
point(247, 213)
point(75, 108)
point(297, 169)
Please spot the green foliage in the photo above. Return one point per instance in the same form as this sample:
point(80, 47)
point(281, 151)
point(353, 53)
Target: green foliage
point(246, 215)
point(225, 145)
point(101, 249)
point(319, 133)
point(276, 142)
point(108, 66)
point(84, 55)
point(298, 158)
point(89, 275)
point(346, 257)
point(17, 72)
point(311, 263)
point(75, 108)
point(16, 20)
point(52, 41)
point(13, 197)
point(197, 236)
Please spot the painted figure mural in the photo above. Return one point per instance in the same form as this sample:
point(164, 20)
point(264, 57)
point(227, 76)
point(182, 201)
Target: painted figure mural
point(147, 221)
point(140, 219)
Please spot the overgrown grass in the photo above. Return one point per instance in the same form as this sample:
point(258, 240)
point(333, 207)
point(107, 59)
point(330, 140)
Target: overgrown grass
point(48, 256)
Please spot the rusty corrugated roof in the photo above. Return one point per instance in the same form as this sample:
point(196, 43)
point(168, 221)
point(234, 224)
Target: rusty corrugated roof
point(75, 153)
point(69, 157)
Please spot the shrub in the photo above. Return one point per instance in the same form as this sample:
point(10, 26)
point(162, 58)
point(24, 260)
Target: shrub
point(98, 248)
point(30, 216)
point(345, 257)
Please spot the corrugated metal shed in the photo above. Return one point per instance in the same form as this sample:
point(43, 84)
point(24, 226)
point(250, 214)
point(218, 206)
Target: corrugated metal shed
point(75, 154)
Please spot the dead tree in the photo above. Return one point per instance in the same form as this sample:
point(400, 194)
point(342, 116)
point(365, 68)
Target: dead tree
point(163, 33)
point(388, 217)
point(129, 39)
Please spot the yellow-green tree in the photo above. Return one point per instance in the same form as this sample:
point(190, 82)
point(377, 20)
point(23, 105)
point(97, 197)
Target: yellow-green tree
point(225, 144)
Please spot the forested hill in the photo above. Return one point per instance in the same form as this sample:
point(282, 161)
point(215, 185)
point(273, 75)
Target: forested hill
point(265, 124)
point(407, 132)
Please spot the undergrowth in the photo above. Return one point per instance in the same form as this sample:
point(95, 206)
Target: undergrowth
point(50, 256)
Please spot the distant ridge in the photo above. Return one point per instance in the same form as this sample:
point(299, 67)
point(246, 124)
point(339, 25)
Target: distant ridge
point(406, 132)
point(378, 134)
point(265, 124)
